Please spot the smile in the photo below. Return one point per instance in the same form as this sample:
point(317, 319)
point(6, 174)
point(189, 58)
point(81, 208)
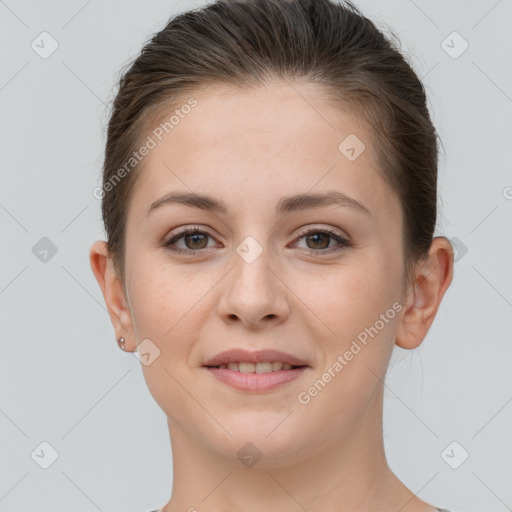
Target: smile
point(265, 367)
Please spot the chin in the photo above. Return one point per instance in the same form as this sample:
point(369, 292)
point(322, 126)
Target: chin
point(264, 444)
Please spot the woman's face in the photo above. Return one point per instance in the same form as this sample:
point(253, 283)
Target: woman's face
point(265, 274)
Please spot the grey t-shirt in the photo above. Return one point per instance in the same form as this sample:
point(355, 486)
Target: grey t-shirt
point(440, 510)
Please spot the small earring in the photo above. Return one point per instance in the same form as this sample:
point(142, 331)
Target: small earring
point(120, 342)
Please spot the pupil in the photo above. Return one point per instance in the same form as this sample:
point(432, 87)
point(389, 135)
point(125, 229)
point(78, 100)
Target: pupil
point(195, 236)
point(320, 235)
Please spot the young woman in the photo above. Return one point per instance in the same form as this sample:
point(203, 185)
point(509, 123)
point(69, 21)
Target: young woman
point(269, 199)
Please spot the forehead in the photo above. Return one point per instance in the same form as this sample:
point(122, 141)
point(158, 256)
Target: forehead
point(273, 140)
point(281, 112)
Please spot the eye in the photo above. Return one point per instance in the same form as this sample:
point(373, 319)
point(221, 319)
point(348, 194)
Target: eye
point(194, 237)
point(320, 240)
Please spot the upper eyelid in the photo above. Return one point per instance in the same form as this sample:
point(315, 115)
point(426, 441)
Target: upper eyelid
point(303, 231)
point(329, 229)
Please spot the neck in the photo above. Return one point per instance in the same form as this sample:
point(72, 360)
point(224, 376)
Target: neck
point(346, 474)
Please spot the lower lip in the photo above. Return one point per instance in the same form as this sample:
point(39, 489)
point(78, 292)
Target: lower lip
point(256, 381)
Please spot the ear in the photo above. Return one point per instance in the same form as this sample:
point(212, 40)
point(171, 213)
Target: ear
point(113, 293)
point(432, 278)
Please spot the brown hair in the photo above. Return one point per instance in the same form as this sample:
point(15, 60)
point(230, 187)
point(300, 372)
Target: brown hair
point(242, 43)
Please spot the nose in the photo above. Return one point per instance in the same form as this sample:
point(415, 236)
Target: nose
point(253, 294)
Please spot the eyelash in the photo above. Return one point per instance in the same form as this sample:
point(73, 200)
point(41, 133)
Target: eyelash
point(344, 243)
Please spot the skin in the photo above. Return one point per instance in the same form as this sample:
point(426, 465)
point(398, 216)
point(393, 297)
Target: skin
point(249, 149)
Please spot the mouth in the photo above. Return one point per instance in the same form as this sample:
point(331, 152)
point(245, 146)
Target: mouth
point(264, 367)
point(255, 371)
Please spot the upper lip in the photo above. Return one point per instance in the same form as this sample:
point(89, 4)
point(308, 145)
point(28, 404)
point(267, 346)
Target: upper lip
point(260, 356)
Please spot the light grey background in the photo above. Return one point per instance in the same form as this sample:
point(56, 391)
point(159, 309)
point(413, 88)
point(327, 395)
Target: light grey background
point(64, 381)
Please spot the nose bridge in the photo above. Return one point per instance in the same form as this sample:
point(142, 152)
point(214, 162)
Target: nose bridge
point(252, 275)
point(252, 291)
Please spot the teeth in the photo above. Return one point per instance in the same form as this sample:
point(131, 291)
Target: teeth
point(265, 367)
point(247, 367)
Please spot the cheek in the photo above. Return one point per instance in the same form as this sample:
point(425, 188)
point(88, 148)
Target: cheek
point(170, 306)
point(166, 313)
point(358, 305)
point(156, 305)
point(349, 298)
point(161, 293)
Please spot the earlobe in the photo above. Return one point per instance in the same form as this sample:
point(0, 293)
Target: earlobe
point(112, 289)
point(432, 278)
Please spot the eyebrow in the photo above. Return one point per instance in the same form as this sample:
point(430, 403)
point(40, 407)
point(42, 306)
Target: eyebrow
point(285, 205)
